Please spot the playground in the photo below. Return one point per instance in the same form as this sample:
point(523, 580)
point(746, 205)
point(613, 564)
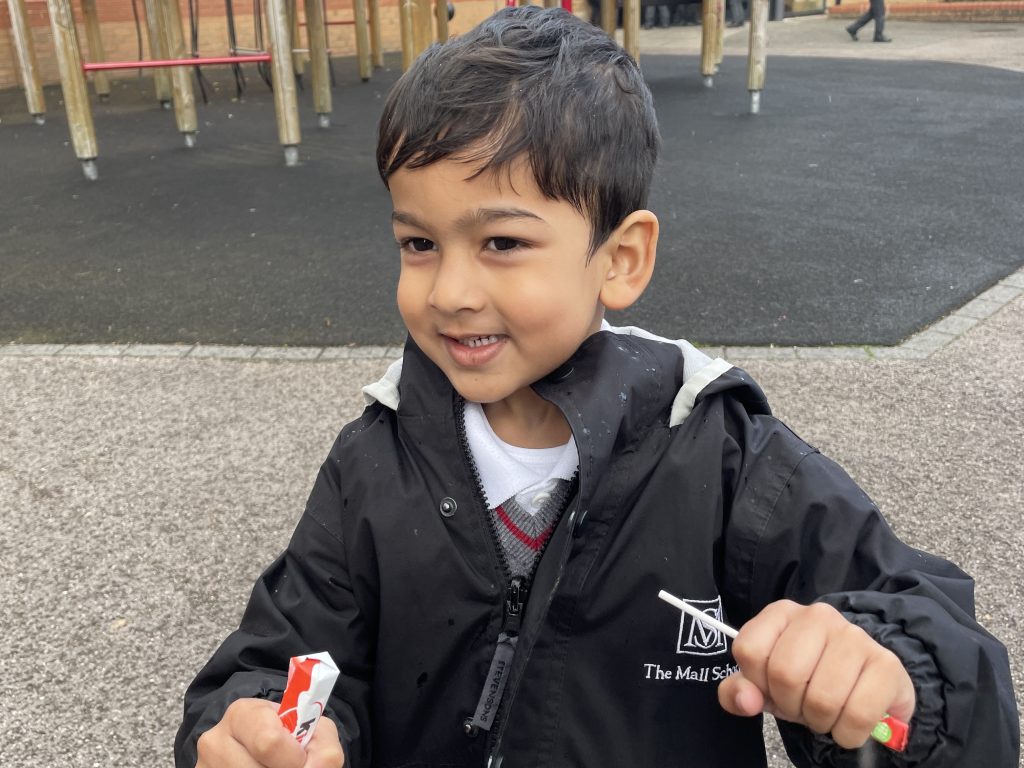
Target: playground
point(182, 337)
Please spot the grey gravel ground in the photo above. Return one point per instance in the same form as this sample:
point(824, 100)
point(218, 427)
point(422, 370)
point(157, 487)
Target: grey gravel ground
point(141, 498)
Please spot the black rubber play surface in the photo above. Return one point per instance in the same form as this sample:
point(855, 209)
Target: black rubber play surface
point(866, 201)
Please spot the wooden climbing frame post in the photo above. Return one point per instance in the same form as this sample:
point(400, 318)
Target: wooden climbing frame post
point(363, 53)
point(169, 23)
point(757, 61)
point(72, 82)
point(158, 50)
point(319, 66)
point(376, 46)
point(92, 35)
point(631, 28)
point(283, 78)
point(28, 66)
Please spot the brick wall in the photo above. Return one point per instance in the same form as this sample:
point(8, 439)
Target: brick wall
point(121, 44)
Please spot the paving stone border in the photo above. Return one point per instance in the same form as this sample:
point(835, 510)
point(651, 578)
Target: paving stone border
point(921, 345)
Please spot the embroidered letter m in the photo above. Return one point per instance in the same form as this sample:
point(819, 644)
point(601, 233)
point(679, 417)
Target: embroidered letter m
point(695, 637)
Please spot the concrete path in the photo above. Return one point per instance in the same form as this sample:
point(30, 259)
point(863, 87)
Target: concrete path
point(142, 497)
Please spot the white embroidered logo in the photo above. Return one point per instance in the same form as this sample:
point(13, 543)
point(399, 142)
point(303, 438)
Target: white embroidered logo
point(697, 638)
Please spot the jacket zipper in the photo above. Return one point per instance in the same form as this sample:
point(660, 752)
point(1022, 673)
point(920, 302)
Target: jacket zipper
point(517, 587)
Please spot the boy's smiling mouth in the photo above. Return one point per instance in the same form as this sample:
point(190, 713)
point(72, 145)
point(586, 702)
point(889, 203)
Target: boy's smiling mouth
point(473, 351)
point(478, 341)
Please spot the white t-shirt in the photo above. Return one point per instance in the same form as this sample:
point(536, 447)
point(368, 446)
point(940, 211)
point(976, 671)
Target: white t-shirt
point(506, 470)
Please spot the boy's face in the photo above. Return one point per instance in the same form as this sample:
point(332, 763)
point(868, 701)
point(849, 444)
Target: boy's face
point(495, 283)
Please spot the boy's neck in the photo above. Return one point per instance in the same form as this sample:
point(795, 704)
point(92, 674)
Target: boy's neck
point(527, 420)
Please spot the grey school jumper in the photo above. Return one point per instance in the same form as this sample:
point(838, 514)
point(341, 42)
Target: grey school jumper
point(686, 483)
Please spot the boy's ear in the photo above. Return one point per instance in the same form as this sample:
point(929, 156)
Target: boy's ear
point(631, 251)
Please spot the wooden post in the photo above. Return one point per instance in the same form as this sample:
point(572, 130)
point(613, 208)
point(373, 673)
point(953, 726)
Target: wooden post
point(407, 17)
point(376, 46)
point(708, 33)
point(631, 28)
point(609, 12)
point(72, 82)
point(319, 66)
point(158, 50)
point(286, 104)
point(441, 15)
point(424, 30)
point(181, 86)
point(100, 81)
point(720, 35)
point(28, 66)
point(298, 57)
point(757, 60)
point(362, 40)
point(552, 3)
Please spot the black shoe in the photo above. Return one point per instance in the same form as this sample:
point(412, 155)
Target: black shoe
point(852, 33)
point(882, 39)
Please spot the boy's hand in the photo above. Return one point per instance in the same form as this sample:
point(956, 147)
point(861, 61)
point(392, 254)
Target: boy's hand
point(250, 735)
point(808, 664)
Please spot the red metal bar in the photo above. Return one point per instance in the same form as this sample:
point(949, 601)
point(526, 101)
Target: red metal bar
point(197, 62)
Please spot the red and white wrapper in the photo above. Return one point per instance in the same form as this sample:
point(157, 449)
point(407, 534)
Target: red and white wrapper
point(310, 680)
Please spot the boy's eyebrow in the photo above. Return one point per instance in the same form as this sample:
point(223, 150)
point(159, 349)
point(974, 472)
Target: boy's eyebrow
point(474, 218)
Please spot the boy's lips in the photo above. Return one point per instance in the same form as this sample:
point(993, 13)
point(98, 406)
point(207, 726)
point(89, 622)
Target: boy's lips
point(473, 350)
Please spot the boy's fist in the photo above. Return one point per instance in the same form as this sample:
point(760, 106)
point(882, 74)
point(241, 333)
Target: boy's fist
point(250, 735)
point(808, 664)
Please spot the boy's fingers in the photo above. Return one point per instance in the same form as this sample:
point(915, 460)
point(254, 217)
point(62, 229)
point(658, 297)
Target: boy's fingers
point(256, 726)
point(739, 696)
point(324, 749)
point(881, 688)
point(753, 646)
point(792, 663)
point(834, 679)
point(220, 750)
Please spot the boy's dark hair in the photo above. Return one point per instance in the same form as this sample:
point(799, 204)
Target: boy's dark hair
point(534, 82)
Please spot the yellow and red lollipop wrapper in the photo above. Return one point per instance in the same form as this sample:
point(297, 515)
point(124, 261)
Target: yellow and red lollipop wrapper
point(310, 680)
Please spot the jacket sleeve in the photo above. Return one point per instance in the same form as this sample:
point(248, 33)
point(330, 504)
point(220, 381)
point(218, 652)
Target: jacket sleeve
point(801, 529)
point(305, 602)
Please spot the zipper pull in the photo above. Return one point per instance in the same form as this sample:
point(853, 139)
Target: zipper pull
point(515, 601)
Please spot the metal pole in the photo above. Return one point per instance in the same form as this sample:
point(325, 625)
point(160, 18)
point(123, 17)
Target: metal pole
point(28, 66)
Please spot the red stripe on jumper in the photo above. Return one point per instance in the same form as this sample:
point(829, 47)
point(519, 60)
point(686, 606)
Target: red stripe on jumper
point(527, 539)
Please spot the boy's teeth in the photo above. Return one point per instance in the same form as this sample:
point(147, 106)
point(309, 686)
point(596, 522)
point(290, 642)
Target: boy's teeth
point(479, 341)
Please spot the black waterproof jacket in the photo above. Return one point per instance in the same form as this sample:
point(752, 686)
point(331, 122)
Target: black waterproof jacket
point(686, 483)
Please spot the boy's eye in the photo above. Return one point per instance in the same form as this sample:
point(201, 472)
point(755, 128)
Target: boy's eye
point(417, 244)
point(502, 244)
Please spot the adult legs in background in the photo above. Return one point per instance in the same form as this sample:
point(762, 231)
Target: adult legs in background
point(876, 12)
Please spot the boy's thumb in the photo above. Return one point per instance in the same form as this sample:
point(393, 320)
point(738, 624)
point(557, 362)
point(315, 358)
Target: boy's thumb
point(739, 696)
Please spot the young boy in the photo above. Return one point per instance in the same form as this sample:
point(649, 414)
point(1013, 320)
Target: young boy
point(483, 549)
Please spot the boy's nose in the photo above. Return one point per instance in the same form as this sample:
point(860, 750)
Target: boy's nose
point(456, 287)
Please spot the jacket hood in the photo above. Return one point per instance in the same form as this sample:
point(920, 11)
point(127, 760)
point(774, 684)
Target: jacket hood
point(697, 376)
